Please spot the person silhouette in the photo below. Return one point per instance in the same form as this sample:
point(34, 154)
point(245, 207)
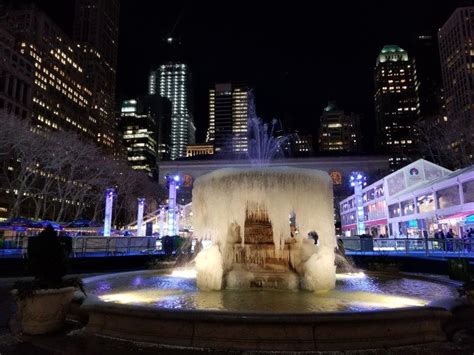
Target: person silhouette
point(313, 235)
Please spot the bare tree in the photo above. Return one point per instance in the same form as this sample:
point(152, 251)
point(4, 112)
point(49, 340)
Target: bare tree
point(447, 143)
point(23, 153)
point(64, 177)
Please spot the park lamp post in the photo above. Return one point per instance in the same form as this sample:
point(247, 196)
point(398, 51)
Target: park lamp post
point(109, 201)
point(358, 180)
point(172, 182)
point(141, 207)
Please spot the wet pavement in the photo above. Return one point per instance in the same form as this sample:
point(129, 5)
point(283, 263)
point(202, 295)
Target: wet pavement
point(9, 344)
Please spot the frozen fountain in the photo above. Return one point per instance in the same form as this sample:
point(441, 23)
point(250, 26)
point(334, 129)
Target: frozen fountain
point(259, 220)
point(262, 222)
point(246, 214)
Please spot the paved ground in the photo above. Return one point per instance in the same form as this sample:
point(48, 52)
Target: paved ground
point(7, 306)
point(8, 343)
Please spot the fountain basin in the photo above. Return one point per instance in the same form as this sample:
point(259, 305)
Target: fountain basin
point(253, 331)
point(238, 327)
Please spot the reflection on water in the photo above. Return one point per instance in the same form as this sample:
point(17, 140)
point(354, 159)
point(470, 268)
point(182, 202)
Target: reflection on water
point(352, 293)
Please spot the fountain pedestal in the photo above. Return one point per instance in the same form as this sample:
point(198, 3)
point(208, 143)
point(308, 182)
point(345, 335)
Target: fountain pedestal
point(256, 261)
point(248, 214)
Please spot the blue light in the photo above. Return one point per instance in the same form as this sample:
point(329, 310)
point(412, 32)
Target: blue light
point(359, 176)
point(176, 178)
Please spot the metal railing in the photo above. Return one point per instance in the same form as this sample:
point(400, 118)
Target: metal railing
point(430, 246)
point(110, 246)
point(88, 246)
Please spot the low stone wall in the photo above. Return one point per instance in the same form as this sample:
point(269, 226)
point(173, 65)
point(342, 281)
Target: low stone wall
point(263, 331)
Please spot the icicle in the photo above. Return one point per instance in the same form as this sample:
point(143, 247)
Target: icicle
point(268, 195)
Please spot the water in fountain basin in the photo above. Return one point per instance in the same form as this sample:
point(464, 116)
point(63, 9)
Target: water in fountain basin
point(353, 292)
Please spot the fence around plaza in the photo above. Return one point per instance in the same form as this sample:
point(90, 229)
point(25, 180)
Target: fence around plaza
point(429, 246)
point(116, 246)
point(89, 246)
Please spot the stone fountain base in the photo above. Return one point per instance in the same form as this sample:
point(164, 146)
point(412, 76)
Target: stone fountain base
point(255, 277)
point(256, 262)
point(267, 332)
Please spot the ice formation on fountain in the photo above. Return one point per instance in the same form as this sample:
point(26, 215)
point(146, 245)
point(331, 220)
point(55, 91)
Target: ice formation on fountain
point(224, 202)
point(209, 268)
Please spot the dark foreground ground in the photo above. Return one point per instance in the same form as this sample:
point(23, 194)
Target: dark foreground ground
point(73, 342)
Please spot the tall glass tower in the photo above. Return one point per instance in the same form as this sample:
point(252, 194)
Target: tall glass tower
point(96, 29)
point(228, 118)
point(173, 81)
point(457, 68)
point(397, 105)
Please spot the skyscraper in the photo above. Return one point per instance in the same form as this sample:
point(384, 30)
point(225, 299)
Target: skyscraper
point(396, 105)
point(16, 78)
point(302, 144)
point(60, 95)
point(173, 81)
point(456, 51)
point(228, 118)
point(428, 74)
point(143, 123)
point(339, 131)
point(16, 81)
point(96, 31)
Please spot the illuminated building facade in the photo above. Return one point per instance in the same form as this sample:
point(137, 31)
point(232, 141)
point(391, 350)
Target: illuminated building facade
point(456, 50)
point(59, 95)
point(397, 105)
point(193, 150)
point(303, 144)
point(16, 78)
point(338, 131)
point(173, 81)
point(297, 145)
point(143, 124)
point(415, 201)
point(228, 118)
point(96, 33)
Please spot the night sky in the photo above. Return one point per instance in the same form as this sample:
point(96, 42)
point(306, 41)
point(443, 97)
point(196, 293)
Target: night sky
point(297, 54)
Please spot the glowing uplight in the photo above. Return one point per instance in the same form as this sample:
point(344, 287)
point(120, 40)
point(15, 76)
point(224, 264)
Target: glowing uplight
point(187, 273)
point(125, 298)
point(389, 301)
point(400, 301)
point(139, 296)
point(351, 275)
